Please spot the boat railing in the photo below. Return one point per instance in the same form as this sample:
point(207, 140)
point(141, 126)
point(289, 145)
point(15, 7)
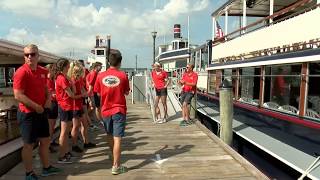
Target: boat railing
point(257, 25)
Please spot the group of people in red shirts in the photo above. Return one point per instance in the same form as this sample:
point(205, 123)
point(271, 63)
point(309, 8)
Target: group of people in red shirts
point(67, 91)
point(160, 83)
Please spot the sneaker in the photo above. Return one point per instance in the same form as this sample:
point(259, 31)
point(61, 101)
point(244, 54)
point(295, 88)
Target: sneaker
point(32, 176)
point(64, 160)
point(183, 123)
point(69, 155)
point(119, 170)
point(77, 149)
point(94, 127)
point(50, 171)
point(189, 122)
point(161, 121)
point(89, 145)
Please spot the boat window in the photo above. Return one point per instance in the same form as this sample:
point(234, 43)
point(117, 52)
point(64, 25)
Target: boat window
point(282, 86)
point(249, 85)
point(100, 52)
point(204, 60)
point(212, 82)
point(313, 98)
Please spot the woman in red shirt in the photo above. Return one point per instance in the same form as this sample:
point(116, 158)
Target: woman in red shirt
point(53, 111)
point(160, 83)
point(64, 96)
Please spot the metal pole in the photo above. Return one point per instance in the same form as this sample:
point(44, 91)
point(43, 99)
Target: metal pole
point(226, 112)
point(108, 50)
point(137, 63)
point(154, 34)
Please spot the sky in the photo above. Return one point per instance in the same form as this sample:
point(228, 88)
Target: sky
point(69, 27)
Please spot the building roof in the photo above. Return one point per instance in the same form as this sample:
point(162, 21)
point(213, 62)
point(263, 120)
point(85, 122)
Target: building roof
point(255, 8)
point(12, 53)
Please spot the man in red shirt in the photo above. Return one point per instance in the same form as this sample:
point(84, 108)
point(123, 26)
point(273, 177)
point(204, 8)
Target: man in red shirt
point(30, 89)
point(189, 81)
point(160, 83)
point(113, 85)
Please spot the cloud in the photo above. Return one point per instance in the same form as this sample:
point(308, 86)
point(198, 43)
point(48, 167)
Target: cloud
point(75, 26)
point(38, 8)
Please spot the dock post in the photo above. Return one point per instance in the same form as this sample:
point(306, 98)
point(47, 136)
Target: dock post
point(193, 107)
point(226, 112)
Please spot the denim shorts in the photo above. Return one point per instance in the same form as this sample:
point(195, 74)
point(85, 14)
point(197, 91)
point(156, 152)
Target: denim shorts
point(186, 97)
point(114, 125)
point(33, 126)
point(65, 116)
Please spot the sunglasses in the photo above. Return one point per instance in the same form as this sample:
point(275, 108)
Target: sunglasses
point(30, 54)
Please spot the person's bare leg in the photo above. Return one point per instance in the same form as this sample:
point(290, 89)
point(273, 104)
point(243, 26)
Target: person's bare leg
point(84, 129)
point(26, 154)
point(156, 107)
point(75, 130)
point(116, 151)
point(110, 144)
point(44, 151)
point(165, 107)
point(52, 124)
point(63, 139)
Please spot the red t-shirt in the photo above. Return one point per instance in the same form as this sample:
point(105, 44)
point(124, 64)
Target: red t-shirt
point(51, 89)
point(77, 103)
point(64, 100)
point(91, 80)
point(191, 77)
point(33, 83)
point(112, 86)
point(159, 79)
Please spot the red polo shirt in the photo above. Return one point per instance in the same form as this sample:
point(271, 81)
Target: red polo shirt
point(159, 78)
point(112, 86)
point(77, 105)
point(51, 89)
point(91, 80)
point(64, 100)
point(191, 77)
point(33, 83)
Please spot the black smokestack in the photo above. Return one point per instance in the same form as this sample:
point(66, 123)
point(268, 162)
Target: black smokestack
point(97, 41)
point(176, 31)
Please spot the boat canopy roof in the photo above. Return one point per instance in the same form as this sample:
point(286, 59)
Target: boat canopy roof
point(256, 8)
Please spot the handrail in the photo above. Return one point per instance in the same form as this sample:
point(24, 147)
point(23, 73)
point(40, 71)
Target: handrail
point(281, 12)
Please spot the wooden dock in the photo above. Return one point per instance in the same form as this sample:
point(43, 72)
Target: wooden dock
point(155, 151)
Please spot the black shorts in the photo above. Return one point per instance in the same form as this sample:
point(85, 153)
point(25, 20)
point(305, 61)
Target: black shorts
point(53, 111)
point(186, 97)
point(96, 100)
point(33, 126)
point(77, 113)
point(65, 116)
point(162, 92)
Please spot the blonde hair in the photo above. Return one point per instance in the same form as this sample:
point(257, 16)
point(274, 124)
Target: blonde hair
point(76, 70)
point(32, 46)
